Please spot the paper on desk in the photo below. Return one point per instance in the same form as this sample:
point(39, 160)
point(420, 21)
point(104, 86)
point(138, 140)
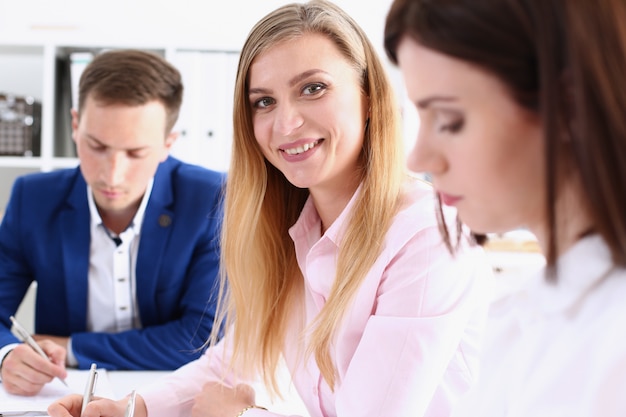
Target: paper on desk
point(76, 380)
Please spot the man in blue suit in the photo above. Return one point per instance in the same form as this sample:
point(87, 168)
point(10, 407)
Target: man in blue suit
point(124, 248)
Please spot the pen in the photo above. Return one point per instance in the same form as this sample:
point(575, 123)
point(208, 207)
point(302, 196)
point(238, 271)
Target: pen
point(25, 337)
point(130, 407)
point(90, 387)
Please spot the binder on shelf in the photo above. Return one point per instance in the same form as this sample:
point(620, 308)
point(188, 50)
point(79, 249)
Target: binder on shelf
point(70, 67)
point(78, 62)
point(205, 120)
point(20, 125)
point(63, 144)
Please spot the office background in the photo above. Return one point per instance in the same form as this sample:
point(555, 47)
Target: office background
point(42, 42)
point(39, 38)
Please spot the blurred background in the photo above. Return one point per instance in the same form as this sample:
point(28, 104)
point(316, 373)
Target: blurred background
point(44, 44)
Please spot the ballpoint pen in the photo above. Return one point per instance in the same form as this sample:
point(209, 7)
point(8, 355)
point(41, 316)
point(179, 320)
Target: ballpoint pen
point(90, 387)
point(25, 337)
point(130, 407)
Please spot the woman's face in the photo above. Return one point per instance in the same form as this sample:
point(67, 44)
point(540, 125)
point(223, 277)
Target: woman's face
point(484, 151)
point(308, 112)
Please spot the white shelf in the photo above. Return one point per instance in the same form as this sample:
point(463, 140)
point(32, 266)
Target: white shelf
point(20, 162)
point(30, 68)
point(62, 162)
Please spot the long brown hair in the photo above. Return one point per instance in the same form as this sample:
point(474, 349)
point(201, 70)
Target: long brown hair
point(565, 60)
point(262, 288)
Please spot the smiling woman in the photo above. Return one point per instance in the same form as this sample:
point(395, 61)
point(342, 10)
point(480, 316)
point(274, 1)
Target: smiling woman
point(309, 113)
point(331, 251)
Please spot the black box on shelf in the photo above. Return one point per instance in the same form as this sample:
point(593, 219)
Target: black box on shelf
point(20, 125)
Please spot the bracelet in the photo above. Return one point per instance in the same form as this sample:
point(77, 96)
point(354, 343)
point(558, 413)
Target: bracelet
point(249, 408)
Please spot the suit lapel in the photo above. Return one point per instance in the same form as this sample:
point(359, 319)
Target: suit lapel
point(75, 238)
point(155, 232)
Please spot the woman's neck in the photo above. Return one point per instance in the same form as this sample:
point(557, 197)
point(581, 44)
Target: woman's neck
point(573, 220)
point(331, 202)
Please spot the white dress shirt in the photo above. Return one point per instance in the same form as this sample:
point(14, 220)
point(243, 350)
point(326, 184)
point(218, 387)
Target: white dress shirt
point(111, 298)
point(557, 349)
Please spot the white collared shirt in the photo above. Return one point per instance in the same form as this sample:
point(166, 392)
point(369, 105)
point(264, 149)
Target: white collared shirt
point(557, 349)
point(111, 294)
point(111, 305)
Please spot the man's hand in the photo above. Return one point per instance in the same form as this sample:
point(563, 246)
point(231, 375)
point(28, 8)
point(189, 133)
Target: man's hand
point(61, 341)
point(25, 372)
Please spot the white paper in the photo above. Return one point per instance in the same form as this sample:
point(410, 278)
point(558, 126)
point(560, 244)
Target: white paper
point(76, 380)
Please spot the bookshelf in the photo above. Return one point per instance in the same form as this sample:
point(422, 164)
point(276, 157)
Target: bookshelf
point(35, 33)
point(38, 70)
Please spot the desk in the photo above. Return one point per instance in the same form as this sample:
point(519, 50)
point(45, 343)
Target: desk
point(123, 382)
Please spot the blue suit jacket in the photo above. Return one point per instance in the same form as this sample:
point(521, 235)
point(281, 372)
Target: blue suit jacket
point(45, 236)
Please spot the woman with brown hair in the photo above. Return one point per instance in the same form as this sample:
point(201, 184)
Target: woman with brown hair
point(523, 124)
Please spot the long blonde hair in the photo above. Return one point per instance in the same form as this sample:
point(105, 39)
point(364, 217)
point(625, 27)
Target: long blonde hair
point(261, 282)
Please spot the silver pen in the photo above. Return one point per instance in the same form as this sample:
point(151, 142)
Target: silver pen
point(130, 407)
point(90, 387)
point(25, 337)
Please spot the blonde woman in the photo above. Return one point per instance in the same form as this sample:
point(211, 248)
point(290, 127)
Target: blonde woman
point(331, 252)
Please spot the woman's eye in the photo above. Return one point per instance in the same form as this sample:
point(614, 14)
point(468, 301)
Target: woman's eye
point(263, 103)
point(452, 127)
point(313, 88)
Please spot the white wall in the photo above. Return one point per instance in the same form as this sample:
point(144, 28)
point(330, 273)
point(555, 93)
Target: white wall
point(203, 24)
point(203, 21)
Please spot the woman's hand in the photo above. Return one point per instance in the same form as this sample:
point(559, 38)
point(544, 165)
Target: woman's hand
point(70, 406)
point(217, 400)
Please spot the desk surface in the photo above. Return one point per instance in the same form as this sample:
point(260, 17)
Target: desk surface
point(123, 382)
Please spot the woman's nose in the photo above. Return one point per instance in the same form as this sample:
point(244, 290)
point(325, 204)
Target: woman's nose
point(287, 119)
point(424, 157)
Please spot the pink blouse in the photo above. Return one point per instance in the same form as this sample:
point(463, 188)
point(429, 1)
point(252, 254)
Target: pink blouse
point(407, 346)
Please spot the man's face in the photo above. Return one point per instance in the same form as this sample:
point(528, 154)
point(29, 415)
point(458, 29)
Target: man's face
point(120, 148)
